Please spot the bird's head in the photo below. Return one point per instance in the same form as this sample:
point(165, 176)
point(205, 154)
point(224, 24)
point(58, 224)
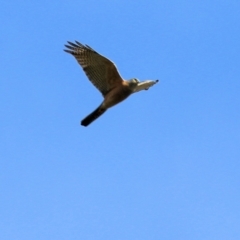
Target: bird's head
point(133, 83)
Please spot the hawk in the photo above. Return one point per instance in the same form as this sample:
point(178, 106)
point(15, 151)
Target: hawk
point(105, 77)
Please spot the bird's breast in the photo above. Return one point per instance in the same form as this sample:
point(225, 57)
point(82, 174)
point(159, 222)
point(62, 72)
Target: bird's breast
point(116, 95)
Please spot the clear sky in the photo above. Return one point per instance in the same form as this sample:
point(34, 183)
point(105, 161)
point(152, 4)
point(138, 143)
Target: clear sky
point(164, 164)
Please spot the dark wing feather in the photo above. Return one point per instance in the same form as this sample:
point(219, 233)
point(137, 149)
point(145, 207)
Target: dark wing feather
point(101, 71)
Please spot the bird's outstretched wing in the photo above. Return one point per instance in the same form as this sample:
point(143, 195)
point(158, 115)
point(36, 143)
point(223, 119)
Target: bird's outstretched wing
point(101, 71)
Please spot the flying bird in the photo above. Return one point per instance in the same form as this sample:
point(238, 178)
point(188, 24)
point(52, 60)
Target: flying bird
point(105, 77)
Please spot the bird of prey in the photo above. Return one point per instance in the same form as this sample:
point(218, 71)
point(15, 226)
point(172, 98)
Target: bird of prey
point(105, 77)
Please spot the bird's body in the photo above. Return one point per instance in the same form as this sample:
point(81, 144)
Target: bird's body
point(105, 77)
point(115, 96)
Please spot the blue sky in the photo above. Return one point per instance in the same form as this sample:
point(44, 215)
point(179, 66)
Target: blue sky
point(164, 164)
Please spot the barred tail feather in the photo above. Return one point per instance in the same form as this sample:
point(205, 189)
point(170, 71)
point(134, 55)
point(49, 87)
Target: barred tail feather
point(93, 116)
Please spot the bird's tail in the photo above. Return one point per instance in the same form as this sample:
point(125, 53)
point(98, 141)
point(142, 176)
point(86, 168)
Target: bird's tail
point(93, 116)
